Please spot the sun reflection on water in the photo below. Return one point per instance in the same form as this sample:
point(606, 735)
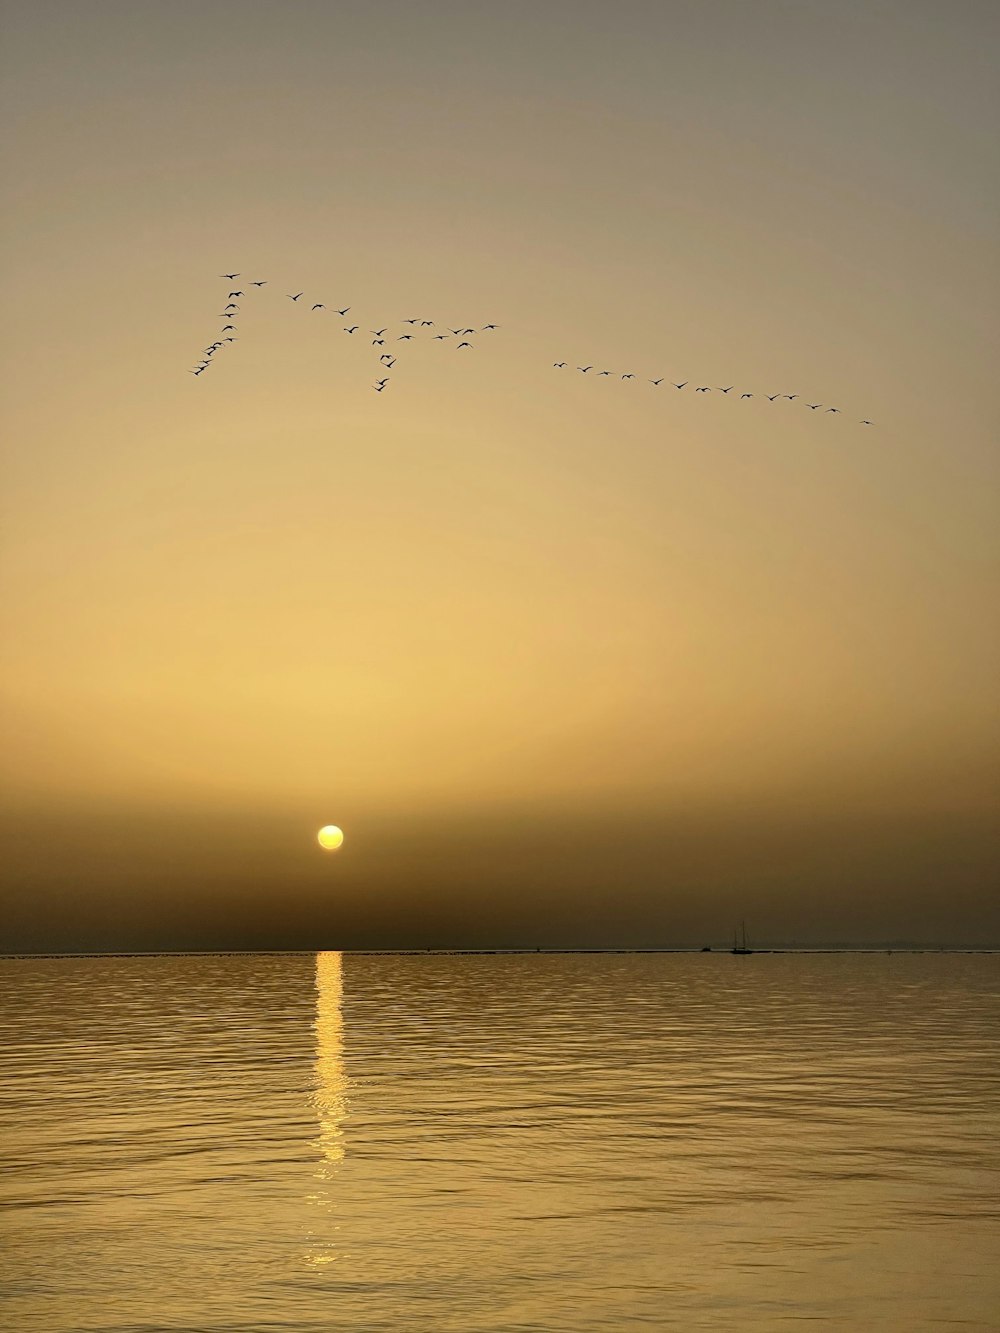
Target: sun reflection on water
point(329, 1096)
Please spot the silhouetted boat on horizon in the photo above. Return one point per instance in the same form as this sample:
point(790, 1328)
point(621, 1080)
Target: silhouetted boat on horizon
point(740, 946)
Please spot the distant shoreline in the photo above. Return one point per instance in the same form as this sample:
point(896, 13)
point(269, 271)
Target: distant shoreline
point(719, 950)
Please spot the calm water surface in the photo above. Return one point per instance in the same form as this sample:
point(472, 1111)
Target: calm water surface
point(500, 1143)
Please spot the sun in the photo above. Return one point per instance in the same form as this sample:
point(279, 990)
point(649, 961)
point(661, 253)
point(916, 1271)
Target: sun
point(330, 837)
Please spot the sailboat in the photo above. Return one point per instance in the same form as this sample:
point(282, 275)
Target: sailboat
point(741, 945)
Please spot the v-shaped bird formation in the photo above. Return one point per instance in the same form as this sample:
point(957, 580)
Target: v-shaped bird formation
point(458, 338)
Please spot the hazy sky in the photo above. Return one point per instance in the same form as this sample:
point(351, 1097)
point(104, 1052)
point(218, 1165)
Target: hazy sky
point(569, 661)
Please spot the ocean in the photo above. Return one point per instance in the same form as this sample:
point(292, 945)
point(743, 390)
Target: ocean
point(498, 1143)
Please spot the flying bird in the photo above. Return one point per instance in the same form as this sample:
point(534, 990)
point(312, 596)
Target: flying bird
point(679, 386)
point(603, 372)
point(259, 284)
point(628, 376)
point(226, 327)
point(490, 326)
point(814, 405)
point(353, 329)
point(790, 396)
point(377, 332)
point(232, 294)
point(722, 390)
point(463, 345)
point(229, 340)
point(771, 396)
point(405, 338)
point(745, 395)
point(833, 409)
point(378, 342)
point(583, 369)
point(703, 390)
point(426, 323)
point(659, 381)
point(296, 296)
point(410, 321)
point(558, 365)
point(230, 276)
point(864, 423)
point(439, 337)
point(319, 306)
point(378, 387)
point(343, 312)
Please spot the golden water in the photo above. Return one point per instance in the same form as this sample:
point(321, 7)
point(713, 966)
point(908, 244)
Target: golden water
point(501, 1143)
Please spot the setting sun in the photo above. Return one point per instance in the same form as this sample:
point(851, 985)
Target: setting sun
point(330, 837)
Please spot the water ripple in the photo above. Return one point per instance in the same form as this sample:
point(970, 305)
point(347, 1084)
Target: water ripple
point(500, 1143)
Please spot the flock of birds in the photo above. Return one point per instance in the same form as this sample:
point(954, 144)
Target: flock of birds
point(387, 338)
point(707, 388)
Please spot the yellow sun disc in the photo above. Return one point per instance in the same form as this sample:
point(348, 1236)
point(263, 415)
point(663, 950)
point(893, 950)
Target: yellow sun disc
point(330, 837)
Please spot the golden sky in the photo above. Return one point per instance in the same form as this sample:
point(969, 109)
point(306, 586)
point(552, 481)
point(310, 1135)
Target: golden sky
point(569, 660)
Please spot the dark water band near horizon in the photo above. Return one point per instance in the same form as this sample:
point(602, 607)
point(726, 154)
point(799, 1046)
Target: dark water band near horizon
point(500, 1142)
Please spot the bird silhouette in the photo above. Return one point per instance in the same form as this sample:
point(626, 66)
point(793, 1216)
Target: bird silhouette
point(703, 390)
point(490, 326)
point(386, 356)
point(229, 340)
point(628, 376)
point(583, 369)
point(405, 338)
point(439, 337)
point(866, 422)
point(232, 294)
point(319, 306)
point(296, 296)
point(378, 387)
point(353, 329)
point(722, 390)
point(377, 332)
point(814, 405)
point(745, 395)
point(603, 372)
point(790, 396)
point(426, 323)
point(410, 321)
point(558, 365)
point(833, 409)
point(343, 312)
point(771, 396)
point(679, 386)
point(227, 327)
point(464, 345)
point(378, 342)
point(659, 381)
point(198, 371)
point(259, 284)
point(468, 330)
point(230, 276)
point(456, 332)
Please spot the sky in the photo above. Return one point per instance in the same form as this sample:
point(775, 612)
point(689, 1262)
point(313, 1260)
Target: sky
point(573, 661)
